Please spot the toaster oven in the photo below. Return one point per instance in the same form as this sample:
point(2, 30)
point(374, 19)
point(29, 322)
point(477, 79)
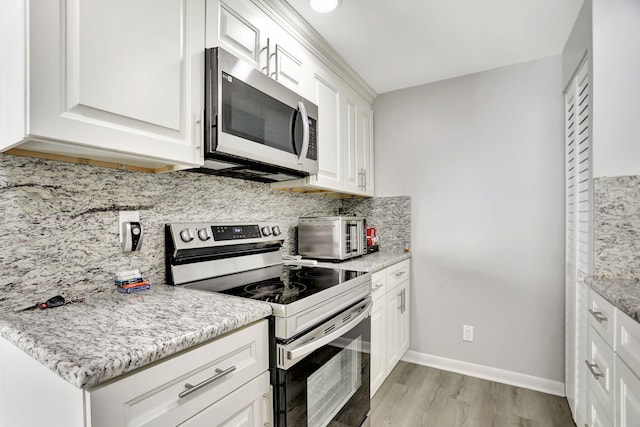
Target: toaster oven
point(332, 238)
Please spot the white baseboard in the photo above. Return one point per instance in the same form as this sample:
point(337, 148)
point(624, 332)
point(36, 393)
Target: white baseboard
point(486, 372)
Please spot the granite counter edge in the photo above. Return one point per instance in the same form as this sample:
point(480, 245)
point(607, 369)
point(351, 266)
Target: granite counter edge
point(89, 375)
point(624, 294)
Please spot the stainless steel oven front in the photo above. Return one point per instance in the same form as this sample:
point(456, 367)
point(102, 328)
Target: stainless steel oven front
point(322, 376)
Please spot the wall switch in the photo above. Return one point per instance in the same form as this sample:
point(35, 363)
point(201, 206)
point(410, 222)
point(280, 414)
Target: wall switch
point(467, 333)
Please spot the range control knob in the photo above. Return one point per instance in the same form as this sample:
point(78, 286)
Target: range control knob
point(187, 235)
point(276, 231)
point(266, 231)
point(204, 234)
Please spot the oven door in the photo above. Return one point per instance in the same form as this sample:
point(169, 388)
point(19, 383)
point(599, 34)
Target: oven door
point(322, 377)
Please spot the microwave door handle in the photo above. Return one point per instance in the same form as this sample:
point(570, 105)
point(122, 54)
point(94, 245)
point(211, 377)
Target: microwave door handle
point(305, 132)
point(305, 349)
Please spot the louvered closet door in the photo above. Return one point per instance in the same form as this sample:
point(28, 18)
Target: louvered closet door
point(579, 246)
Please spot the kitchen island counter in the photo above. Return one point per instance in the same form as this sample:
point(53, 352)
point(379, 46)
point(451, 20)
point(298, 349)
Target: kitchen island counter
point(622, 293)
point(110, 334)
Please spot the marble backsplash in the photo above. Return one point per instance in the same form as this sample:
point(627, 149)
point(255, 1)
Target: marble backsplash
point(59, 230)
point(390, 215)
point(617, 227)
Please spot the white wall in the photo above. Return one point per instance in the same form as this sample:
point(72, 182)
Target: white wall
point(616, 90)
point(482, 158)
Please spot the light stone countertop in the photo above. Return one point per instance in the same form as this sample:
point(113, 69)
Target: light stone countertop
point(110, 333)
point(370, 262)
point(622, 293)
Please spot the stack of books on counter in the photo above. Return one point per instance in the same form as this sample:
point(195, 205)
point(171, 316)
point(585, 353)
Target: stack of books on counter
point(131, 281)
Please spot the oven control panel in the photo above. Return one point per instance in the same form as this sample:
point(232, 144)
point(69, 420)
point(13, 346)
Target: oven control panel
point(189, 235)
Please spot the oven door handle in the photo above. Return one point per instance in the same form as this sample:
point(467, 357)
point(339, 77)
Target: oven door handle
point(310, 347)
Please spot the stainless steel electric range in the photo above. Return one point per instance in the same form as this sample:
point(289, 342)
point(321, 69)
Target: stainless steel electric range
point(321, 324)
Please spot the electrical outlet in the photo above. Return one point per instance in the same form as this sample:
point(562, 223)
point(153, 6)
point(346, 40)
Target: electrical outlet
point(467, 333)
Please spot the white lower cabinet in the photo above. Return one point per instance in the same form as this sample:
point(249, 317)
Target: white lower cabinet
point(627, 374)
point(597, 415)
point(613, 364)
point(378, 331)
point(187, 388)
point(224, 382)
point(628, 395)
point(390, 324)
point(600, 363)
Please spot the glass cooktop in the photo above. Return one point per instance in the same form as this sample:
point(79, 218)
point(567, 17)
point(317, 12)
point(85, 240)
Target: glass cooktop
point(281, 284)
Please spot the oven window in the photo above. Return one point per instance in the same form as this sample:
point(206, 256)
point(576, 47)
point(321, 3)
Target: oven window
point(331, 386)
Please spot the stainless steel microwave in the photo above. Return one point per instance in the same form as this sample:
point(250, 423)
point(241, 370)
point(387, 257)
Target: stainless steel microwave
point(255, 128)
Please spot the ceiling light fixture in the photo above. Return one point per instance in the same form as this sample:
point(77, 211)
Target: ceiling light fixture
point(324, 6)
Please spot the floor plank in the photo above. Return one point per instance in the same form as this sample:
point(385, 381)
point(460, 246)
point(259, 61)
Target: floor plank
point(419, 396)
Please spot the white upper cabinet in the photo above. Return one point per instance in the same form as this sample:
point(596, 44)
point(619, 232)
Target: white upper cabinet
point(116, 81)
point(345, 138)
point(327, 94)
point(358, 145)
point(245, 30)
point(254, 31)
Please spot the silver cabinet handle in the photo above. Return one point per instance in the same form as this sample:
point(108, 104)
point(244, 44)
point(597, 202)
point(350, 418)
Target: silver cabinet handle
point(305, 132)
point(400, 273)
point(592, 367)
point(276, 74)
point(375, 288)
point(598, 316)
point(198, 125)
point(193, 388)
point(268, 67)
point(404, 307)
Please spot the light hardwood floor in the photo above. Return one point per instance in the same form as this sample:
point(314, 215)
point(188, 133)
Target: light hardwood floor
point(418, 396)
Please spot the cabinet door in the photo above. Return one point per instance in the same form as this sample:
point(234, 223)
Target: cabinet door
point(248, 406)
point(358, 144)
point(403, 323)
point(287, 60)
point(600, 376)
point(597, 415)
point(628, 396)
point(121, 76)
point(392, 313)
point(366, 143)
point(327, 95)
point(378, 344)
point(238, 27)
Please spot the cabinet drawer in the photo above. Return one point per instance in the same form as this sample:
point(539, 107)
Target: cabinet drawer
point(628, 341)
point(150, 396)
point(397, 273)
point(378, 284)
point(600, 372)
point(601, 317)
point(250, 405)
